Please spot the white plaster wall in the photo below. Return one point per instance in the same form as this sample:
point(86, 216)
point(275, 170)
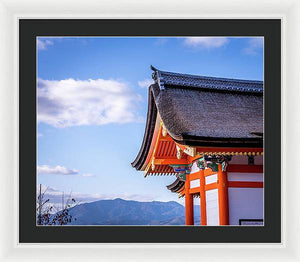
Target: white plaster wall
point(211, 179)
point(195, 183)
point(245, 203)
point(212, 207)
point(254, 177)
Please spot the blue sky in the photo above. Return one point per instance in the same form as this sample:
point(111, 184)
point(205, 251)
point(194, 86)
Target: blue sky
point(92, 105)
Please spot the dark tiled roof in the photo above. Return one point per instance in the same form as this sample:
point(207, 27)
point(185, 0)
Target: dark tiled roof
point(206, 115)
point(205, 111)
point(176, 185)
point(149, 129)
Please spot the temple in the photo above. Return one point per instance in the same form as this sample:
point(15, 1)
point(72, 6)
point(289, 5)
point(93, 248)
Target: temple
point(208, 133)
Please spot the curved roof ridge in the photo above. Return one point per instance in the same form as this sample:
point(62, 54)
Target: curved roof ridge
point(205, 82)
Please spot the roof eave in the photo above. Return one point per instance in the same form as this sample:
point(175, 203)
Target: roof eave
point(148, 134)
point(220, 141)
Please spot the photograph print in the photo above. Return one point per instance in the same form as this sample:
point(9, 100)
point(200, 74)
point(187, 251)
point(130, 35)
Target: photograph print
point(150, 131)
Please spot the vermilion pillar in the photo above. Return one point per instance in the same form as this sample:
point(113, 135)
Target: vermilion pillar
point(202, 198)
point(189, 203)
point(223, 196)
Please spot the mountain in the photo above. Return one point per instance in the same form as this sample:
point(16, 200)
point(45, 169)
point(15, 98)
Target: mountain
point(126, 212)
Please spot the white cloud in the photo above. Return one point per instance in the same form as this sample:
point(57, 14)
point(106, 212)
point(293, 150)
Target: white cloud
point(56, 170)
point(87, 175)
point(42, 44)
point(255, 44)
point(145, 83)
point(59, 170)
point(71, 102)
point(206, 42)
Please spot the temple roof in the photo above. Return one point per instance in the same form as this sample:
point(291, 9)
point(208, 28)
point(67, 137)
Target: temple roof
point(203, 82)
point(176, 186)
point(204, 111)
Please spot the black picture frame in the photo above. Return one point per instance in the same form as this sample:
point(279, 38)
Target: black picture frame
point(29, 29)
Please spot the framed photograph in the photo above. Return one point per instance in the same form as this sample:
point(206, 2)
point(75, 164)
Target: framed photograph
point(149, 131)
point(202, 165)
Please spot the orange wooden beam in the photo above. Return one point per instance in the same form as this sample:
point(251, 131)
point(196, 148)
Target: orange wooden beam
point(245, 168)
point(211, 186)
point(208, 172)
point(195, 190)
point(196, 175)
point(223, 196)
point(189, 203)
point(202, 198)
point(246, 184)
point(166, 138)
point(170, 161)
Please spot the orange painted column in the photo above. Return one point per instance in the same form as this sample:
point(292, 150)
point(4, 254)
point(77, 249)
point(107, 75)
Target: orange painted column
point(223, 196)
point(202, 198)
point(189, 203)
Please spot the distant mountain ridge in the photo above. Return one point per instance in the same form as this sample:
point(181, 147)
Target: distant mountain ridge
point(128, 212)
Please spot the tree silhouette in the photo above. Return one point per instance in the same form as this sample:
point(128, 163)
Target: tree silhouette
point(49, 214)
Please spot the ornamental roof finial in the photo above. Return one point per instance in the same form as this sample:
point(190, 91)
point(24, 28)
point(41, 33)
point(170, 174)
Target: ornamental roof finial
point(153, 68)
